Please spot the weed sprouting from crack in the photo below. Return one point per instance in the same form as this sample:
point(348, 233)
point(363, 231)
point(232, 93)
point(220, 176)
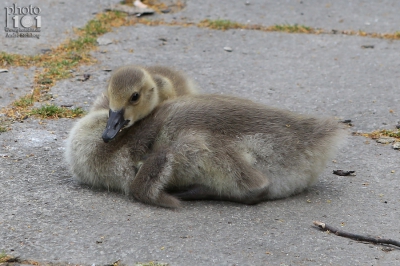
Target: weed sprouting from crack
point(4, 258)
point(54, 111)
point(24, 101)
point(18, 60)
point(221, 24)
point(391, 133)
point(381, 133)
point(292, 28)
point(3, 129)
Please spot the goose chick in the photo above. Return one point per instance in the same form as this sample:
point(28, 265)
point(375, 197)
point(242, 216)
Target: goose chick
point(134, 91)
point(205, 147)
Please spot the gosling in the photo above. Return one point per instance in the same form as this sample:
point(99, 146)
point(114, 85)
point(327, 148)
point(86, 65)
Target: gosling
point(204, 147)
point(134, 91)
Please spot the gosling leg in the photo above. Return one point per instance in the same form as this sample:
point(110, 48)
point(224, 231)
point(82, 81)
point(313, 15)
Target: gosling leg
point(149, 183)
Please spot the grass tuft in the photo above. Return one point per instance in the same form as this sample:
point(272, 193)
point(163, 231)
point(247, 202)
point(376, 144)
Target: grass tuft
point(3, 129)
point(7, 58)
point(381, 133)
point(221, 24)
point(291, 28)
point(390, 133)
point(4, 257)
point(54, 111)
point(96, 27)
point(24, 101)
point(80, 44)
point(18, 60)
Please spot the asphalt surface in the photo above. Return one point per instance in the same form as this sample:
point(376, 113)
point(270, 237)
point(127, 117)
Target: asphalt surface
point(47, 217)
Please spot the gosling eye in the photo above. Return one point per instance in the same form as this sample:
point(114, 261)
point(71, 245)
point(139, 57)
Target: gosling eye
point(135, 97)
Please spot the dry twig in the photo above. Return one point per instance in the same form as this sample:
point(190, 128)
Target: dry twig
point(344, 173)
point(338, 232)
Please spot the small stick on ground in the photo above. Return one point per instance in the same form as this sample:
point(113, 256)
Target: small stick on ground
point(344, 173)
point(338, 232)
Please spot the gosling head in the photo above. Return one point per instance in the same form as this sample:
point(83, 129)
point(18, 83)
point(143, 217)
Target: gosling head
point(133, 95)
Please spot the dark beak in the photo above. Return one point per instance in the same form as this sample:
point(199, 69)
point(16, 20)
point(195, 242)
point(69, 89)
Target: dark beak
point(114, 124)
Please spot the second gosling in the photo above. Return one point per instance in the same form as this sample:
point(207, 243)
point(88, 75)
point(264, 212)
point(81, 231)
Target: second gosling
point(134, 91)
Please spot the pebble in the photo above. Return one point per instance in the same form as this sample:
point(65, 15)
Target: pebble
point(347, 121)
point(367, 46)
point(84, 78)
point(396, 146)
point(228, 49)
point(344, 173)
point(45, 51)
point(385, 140)
point(103, 41)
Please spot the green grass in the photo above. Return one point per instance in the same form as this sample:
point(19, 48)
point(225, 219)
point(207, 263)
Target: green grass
point(54, 111)
point(4, 257)
point(57, 70)
point(222, 24)
point(44, 81)
point(81, 43)
point(18, 60)
point(7, 58)
point(95, 28)
point(3, 129)
point(379, 133)
point(291, 28)
point(24, 101)
point(391, 133)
